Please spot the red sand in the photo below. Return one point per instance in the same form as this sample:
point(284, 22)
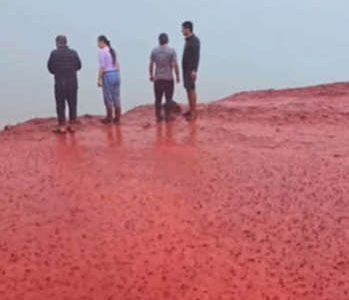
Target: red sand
point(249, 203)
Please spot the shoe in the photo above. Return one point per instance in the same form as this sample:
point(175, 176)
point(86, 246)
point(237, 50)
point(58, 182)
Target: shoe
point(60, 130)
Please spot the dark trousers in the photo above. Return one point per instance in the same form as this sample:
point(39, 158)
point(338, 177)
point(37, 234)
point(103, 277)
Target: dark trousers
point(161, 88)
point(66, 91)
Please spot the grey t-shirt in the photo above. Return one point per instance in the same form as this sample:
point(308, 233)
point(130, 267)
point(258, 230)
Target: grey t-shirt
point(164, 57)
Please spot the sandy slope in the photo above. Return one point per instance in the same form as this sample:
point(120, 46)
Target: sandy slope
point(249, 203)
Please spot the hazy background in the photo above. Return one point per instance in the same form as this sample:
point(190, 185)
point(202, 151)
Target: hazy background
point(246, 44)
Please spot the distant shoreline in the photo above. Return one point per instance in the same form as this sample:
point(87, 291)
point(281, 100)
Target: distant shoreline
point(336, 87)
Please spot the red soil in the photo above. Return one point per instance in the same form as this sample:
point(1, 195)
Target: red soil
point(249, 203)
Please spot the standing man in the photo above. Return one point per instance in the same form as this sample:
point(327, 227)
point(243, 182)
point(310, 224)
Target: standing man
point(64, 64)
point(190, 64)
point(163, 63)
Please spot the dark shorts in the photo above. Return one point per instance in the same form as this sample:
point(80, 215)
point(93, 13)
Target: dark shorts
point(189, 83)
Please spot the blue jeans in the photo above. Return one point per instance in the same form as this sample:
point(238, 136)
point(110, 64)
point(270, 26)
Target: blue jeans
point(111, 89)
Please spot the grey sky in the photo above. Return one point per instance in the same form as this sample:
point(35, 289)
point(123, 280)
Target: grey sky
point(246, 44)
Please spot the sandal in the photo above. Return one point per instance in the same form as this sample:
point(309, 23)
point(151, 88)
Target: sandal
point(60, 131)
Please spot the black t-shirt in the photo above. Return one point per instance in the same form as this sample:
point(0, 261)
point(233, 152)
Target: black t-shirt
point(191, 55)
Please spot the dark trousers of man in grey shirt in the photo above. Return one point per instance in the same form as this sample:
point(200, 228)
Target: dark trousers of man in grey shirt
point(163, 88)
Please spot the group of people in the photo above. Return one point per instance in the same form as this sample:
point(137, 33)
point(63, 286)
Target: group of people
point(64, 63)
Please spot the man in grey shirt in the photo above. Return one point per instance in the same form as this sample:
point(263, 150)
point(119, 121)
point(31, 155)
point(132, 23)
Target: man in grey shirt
point(163, 63)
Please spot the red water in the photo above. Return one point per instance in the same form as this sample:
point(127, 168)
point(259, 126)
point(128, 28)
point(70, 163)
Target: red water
point(248, 203)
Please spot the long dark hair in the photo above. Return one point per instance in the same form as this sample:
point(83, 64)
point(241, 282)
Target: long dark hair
point(104, 39)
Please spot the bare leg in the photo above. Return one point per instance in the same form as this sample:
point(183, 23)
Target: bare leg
point(192, 101)
point(192, 98)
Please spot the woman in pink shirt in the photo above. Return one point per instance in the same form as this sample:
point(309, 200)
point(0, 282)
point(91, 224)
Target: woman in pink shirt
point(109, 80)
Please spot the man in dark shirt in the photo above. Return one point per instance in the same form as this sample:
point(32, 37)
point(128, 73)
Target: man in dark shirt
point(190, 64)
point(64, 64)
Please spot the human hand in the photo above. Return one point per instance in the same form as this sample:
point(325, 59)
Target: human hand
point(151, 78)
point(194, 75)
point(99, 82)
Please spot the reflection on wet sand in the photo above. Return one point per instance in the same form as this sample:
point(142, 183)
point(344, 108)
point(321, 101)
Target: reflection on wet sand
point(69, 151)
point(164, 134)
point(114, 135)
point(192, 132)
point(173, 133)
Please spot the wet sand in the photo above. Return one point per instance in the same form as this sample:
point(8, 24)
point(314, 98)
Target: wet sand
point(250, 202)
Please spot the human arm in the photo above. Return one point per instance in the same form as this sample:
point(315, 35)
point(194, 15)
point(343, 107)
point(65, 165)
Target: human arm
point(151, 67)
point(101, 69)
point(151, 70)
point(51, 63)
point(195, 58)
point(100, 78)
point(176, 67)
point(77, 62)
